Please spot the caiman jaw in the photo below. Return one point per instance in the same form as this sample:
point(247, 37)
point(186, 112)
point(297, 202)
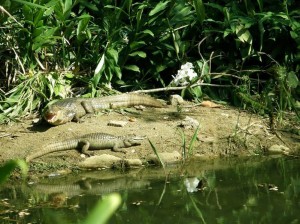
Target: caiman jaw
point(53, 118)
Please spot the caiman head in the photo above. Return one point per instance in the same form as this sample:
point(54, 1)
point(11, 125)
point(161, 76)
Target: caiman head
point(56, 115)
point(132, 140)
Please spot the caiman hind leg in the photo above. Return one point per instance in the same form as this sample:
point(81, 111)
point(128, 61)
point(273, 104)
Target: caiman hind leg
point(88, 108)
point(85, 145)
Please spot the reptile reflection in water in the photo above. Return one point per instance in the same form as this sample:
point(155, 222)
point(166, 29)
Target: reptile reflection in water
point(91, 187)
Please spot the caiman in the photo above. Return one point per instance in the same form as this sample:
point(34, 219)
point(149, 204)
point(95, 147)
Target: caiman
point(72, 109)
point(93, 141)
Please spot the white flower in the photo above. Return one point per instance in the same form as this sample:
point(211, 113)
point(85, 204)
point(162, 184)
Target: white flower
point(184, 75)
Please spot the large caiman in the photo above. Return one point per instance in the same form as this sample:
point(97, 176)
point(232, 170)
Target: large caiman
point(72, 109)
point(92, 141)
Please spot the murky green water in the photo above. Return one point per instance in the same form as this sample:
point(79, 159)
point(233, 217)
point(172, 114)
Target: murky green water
point(222, 191)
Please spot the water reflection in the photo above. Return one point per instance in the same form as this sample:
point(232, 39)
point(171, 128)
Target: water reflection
point(221, 191)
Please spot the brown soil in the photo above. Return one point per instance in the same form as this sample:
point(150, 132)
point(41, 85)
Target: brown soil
point(223, 132)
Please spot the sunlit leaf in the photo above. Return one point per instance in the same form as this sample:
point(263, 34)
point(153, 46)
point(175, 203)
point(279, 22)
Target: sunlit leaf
point(200, 10)
point(132, 68)
point(138, 53)
point(104, 209)
point(30, 4)
point(137, 44)
point(148, 32)
point(159, 7)
point(113, 54)
point(243, 34)
point(98, 70)
point(292, 80)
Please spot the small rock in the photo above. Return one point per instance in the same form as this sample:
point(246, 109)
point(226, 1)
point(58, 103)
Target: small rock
point(167, 157)
point(206, 139)
point(176, 100)
point(189, 123)
point(117, 123)
point(109, 161)
point(278, 149)
point(101, 161)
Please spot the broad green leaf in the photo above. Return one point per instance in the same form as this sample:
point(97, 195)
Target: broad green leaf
point(141, 54)
point(90, 5)
point(182, 15)
point(292, 80)
point(118, 72)
point(148, 32)
point(10, 166)
point(132, 68)
point(45, 38)
point(49, 11)
point(114, 69)
point(137, 44)
point(112, 53)
point(69, 75)
point(67, 8)
point(82, 27)
point(139, 19)
point(28, 14)
point(215, 6)
point(196, 91)
point(100, 65)
point(30, 4)
point(159, 7)
point(37, 20)
point(200, 10)
point(243, 34)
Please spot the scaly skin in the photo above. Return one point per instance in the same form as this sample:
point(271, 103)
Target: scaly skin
point(67, 110)
point(93, 141)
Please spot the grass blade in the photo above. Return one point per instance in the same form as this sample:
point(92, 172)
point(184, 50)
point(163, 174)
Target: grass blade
point(191, 146)
point(156, 153)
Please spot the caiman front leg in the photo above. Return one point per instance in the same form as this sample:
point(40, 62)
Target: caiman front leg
point(117, 148)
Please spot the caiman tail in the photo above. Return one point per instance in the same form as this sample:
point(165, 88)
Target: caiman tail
point(54, 147)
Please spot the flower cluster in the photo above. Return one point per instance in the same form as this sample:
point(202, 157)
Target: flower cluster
point(184, 75)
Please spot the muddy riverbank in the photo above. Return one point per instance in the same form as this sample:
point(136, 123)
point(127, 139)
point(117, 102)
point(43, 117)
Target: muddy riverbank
point(224, 131)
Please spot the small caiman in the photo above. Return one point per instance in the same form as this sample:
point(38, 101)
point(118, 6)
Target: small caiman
point(93, 141)
point(65, 110)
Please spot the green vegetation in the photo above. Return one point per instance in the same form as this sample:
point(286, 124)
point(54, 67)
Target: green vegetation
point(61, 48)
point(104, 209)
point(7, 169)
point(187, 152)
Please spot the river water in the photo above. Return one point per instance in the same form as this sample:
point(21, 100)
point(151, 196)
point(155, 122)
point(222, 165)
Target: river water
point(248, 190)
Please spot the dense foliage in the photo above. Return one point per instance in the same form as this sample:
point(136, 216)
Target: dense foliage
point(61, 48)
